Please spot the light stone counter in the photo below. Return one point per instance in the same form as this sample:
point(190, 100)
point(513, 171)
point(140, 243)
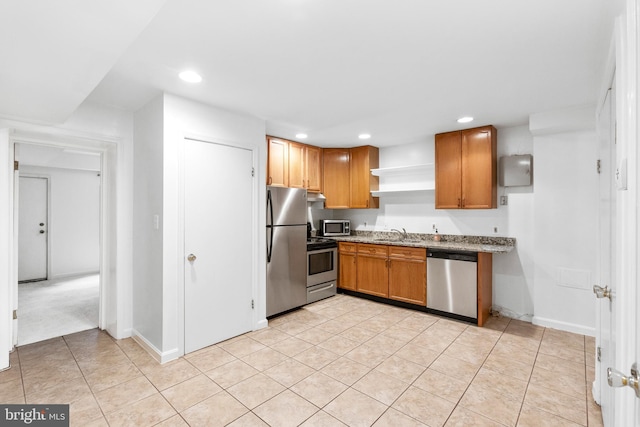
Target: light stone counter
point(494, 245)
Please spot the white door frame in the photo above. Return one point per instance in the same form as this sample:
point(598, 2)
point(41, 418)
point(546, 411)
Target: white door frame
point(107, 150)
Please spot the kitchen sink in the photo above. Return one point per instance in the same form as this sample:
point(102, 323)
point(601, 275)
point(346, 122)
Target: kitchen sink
point(396, 240)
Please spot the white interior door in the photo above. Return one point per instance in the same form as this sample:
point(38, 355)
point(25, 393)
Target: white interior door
point(32, 229)
point(218, 243)
point(606, 259)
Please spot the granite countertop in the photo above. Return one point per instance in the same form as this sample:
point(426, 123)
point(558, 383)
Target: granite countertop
point(447, 241)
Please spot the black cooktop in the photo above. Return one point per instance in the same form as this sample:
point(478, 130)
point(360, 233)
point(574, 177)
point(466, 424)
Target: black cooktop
point(317, 243)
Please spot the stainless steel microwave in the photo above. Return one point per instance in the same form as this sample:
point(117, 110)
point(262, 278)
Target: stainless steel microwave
point(334, 227)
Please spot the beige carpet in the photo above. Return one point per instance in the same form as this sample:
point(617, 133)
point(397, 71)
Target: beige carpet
point(53, 308)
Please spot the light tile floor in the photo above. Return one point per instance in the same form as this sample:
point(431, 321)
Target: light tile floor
point(340, 361)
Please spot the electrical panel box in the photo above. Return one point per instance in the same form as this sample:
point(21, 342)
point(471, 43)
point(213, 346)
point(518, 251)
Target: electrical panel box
point(516, 170)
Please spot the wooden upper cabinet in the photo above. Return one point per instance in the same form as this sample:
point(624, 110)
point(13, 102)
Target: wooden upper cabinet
point(278, 162)
point(466, 169)
point(336, 178)
point(313, 160)
point(363, 159)
point(297, 166)
point(294, 165)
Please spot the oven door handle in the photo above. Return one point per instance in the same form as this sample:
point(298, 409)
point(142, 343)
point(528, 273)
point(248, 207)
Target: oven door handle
point(321, 289)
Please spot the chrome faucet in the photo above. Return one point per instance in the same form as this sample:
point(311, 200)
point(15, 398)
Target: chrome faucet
point(403, 233)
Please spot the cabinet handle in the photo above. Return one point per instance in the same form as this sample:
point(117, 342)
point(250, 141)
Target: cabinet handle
point(459, 202)
point(463, 202)
point(270, 180)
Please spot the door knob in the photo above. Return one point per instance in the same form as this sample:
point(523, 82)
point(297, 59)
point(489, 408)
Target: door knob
point(602, 292)
point(618, 379)
point(191, 258)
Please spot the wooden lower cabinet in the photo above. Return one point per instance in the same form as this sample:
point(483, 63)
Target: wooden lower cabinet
point(347, 266)
point(373, 270)
point(408, 275)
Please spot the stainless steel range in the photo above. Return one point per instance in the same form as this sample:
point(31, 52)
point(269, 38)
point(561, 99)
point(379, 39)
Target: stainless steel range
point(322, 268)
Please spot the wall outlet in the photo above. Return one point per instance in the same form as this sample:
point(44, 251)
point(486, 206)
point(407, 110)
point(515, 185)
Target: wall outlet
point(503, 200)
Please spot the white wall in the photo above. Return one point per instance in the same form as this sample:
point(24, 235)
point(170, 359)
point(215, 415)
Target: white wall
point(179, 118)
point(74, 220)
point(550, 220)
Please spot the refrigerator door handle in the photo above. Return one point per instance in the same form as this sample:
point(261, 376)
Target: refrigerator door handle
point(270, 213)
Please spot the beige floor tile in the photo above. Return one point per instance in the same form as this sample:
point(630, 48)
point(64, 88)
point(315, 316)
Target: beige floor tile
point(382, 387)
point(285, 410)
point(395, 418)
point(218, 410)
point(528, 343)
point(564, 339)
point(319, 389)
point(172, 373)
point(554, 363)
point(41, 349)
point(314, 335)
point(322, 419)
point(114, 398)
point(417, 322)
point(109, 376)
point(534, 417)
point(231, 373)
point(264, 359)
point(241, 347)
point(594, 414)
point(509, 366)
point(111, 358)
point(248, 420)
point(492, 405)
point(255, 390)
point(368, 355)
point(386, 343)
point(401, 369)
point(210, 359)
point(11, 374)
point(417, 353)
point(355, 408)
point(377, 324)
point(83, 411)
point(145, 412)
point(339, 345)
point(291, 346)
point(12, 391)
point(503, 384)
point(289, 372)
point(445, 386)
point(401, 333)
point(291, 328)
point(462, 417)
point(497, 323)
point(335, 326)
point(471, 355)
point(316, 357)
point(190, 392)
point(269, 336)
point(359, 334)
point(527, 356)
point(346, 370)
point(563, 352)
point(50, 377)
point(551, 400)
point(451, 366)
point(62, 392)
point(567, 382)
point(424, 406)
point(175, 421)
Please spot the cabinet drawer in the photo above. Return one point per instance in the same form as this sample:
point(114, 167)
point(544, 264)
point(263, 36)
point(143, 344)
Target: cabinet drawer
point(380, 250)
point(346, 247)
point(407, 252)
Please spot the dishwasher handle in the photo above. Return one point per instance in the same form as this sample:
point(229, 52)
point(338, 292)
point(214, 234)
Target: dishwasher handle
point(454, 255)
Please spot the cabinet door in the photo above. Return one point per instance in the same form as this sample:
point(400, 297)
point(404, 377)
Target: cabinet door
point(297, 165)
point(408, 280)
point(448, 152)
point(372, 270)
point(363, 159)
point(277, 167)
point(313, 161)
point(479, 177)
point(347, 268)
point(336, 178)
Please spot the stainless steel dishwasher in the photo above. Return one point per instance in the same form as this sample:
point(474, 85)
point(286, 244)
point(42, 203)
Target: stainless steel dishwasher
point(452, 283)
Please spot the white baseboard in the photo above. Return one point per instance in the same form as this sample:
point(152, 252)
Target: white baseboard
point(161, 357)
point(261, 324)
point(564, 326)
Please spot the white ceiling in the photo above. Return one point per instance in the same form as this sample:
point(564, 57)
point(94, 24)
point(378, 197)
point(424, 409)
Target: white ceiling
point(400, 70)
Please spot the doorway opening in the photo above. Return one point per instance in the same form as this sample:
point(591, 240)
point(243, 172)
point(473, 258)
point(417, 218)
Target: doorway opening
point(58, 201)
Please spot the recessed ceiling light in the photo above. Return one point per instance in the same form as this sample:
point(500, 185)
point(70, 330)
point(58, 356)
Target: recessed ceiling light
point(190, 76)
point(364, 136)
point(465, 119)
point(301, 135)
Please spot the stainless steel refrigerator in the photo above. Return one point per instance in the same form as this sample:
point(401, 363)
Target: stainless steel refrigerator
point(286, 249)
